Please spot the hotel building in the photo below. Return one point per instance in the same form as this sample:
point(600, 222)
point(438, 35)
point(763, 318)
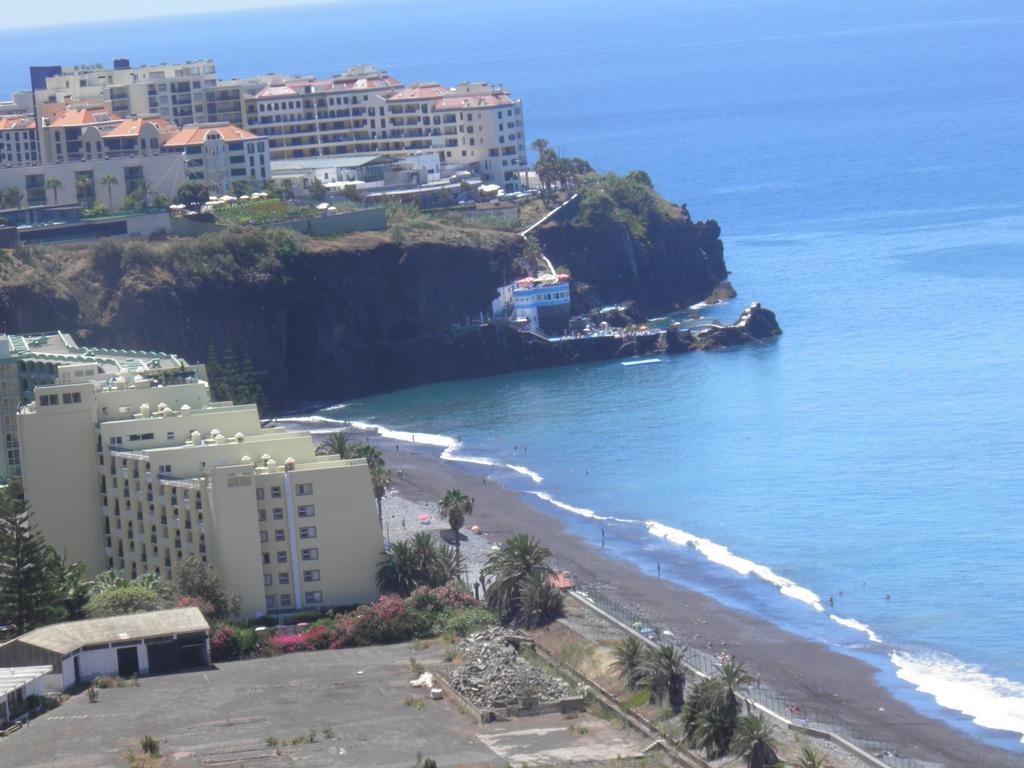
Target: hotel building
point(125, 473)
point(364, 110)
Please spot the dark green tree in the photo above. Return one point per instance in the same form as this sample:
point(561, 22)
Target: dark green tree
point(317, 190)
point(194, 578)
point(665, 674)
point(455, 507)
point(510, 566)
point(192, 195)
point(30, 593)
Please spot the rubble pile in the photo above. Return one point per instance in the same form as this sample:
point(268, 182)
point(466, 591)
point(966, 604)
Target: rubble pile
point(494, 676)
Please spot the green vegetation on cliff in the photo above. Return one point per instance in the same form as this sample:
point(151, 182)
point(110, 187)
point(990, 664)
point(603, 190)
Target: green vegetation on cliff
point(329, 318)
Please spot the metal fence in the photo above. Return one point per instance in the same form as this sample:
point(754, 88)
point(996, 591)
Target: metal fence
point(706, 665)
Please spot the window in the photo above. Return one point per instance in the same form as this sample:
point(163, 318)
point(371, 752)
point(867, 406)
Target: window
point(311, 554)
point(279, 534)
point(275, 492)
point(71, 397)
point(268, 579)
point(315, 597)
point(282, 578)
point(282, 556)
point(266, 558)
point(259, 495)
point(286, 601)
point(48, 400)
point(307, 510)
point(308, 532)
point(278, 513)
point(304, 489)
point(270, 602)
point(170, 435)
point(264, 537)
point(263, 515)
point(313, 575)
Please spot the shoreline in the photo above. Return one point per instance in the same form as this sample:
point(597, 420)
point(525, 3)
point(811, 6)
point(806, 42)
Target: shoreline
point(804, 671)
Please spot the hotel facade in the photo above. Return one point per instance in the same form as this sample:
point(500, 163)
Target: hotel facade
point(123, 472)
point(363, 110)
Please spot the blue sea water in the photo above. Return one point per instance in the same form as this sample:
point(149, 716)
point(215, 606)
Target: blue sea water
point(866, 163)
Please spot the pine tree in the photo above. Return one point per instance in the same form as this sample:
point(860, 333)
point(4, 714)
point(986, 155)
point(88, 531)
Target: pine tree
point(29, 590)
point(226, 385)
point(212, 367)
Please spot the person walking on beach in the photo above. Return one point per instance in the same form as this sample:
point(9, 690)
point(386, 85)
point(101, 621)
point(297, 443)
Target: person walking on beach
point(602, 538)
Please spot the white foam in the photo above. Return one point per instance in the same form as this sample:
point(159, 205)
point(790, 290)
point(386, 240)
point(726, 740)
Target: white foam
point(721, 555)
point(990, 701)
point(420, 438)
point(581, 511)
point(856, 625)
point(313, 420)
point(525, 471)
point(699, 305)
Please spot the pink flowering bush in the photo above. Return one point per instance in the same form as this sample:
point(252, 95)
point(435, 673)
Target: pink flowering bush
point(205, 607)
point(222, 643)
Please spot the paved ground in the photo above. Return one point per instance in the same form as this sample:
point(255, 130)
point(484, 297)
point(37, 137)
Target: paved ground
point(221, 718)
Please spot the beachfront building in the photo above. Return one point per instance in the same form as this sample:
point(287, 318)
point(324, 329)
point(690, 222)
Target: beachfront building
point(219, 155)
point(537, 304)
point(127, 473)
point(31, 360)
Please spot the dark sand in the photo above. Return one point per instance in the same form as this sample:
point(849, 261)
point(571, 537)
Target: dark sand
point(805, 672)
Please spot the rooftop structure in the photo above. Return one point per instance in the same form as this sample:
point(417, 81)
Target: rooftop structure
point(30, 360)
point(16, 685)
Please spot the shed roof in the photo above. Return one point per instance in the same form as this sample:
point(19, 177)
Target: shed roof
point(69, 636)
point(12, 678)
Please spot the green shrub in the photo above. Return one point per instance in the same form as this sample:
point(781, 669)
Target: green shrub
point(150, 745)
point(466, 621)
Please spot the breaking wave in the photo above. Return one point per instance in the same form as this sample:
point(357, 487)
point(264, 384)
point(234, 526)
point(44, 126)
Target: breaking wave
point(857, 626)
point(721, 555)
point(990, 701)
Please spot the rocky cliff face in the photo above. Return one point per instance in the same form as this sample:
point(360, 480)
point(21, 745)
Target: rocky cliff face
point(326, 320)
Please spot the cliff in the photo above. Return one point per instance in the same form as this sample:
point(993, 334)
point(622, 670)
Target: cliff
point(325, 320)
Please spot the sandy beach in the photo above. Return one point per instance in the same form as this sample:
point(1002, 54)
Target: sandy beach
point(805, 672)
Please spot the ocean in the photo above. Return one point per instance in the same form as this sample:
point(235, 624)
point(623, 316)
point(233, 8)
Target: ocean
point(866, 163)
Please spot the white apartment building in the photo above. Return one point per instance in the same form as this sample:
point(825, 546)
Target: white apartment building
point(220, 154)
point(173, 91)
point(19, 143)
point(149, 475)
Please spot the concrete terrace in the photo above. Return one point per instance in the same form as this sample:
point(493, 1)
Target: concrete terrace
point(223, 717)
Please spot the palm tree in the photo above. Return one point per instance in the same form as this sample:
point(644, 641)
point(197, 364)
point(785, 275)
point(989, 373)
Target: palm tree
point(540, 602)
point(628, 655)
point(753, 741)
point(335, 443)
point(810, 758)
point(734, 677)
point(448, 567)
point(707, 724)
point(143, 187)
point(424, 558)
point(396, 572)
point(109, 181)
point(517, 558)
point(54, 184)
point(12, 198)
point(369, 452)
point(665, 673)
point(455, 507)
point(380, 478)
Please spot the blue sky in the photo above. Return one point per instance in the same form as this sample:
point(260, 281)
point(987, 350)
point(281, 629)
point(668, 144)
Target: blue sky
point(22, 14)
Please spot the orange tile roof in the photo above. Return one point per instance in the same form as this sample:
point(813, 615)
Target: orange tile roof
point(417, 91)
point(129, 128)
point(17, 124)
point(198, 134)
point(473, 102)
point(75, 117)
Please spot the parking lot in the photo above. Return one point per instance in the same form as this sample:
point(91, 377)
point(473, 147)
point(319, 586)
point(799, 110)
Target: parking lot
point(357, 703)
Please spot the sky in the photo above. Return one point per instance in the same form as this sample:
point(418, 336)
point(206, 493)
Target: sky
point(22, 14)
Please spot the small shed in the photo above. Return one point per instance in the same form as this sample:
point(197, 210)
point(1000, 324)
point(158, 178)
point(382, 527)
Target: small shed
point(17, 684)
point(155, 642)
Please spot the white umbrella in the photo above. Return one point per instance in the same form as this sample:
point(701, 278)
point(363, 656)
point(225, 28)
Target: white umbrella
point(244, 197)
point(323, 207)
point(331, 208)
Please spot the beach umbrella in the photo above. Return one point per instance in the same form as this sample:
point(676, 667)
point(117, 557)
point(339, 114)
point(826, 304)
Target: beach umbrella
point(331, 208)
point(322, 207)
point(475, 529)
point(424, 517)
point(244, 197)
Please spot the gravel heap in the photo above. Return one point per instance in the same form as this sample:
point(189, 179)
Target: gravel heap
point(494, 676)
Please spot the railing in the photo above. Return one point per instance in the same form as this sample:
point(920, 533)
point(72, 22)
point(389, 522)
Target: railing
point(797, 716)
